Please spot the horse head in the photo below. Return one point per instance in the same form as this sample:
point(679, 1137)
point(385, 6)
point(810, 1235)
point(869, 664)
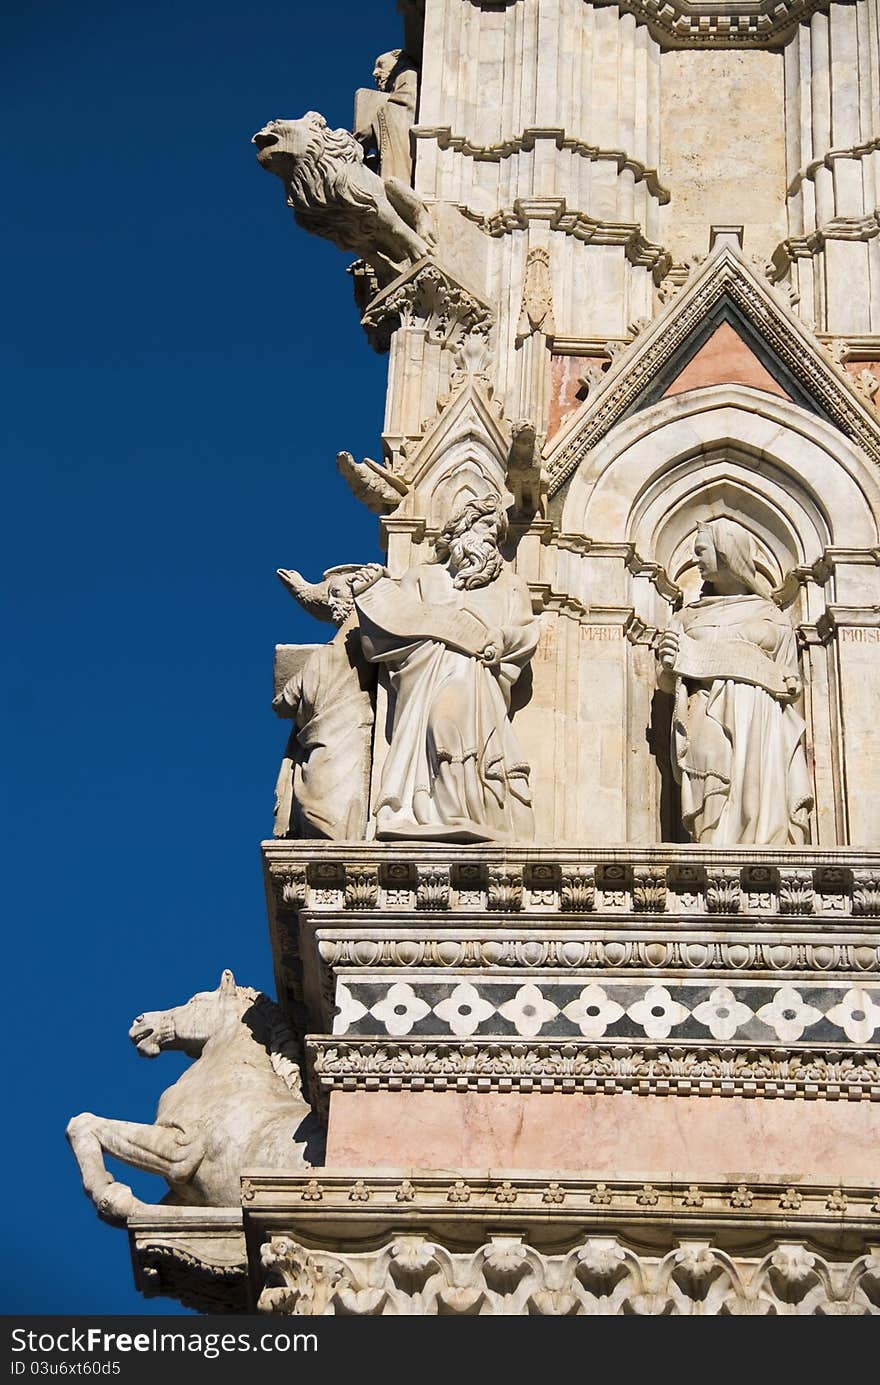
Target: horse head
point(190, 1026)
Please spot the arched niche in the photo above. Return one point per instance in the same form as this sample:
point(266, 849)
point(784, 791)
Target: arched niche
point(792, 478)
point(805, 493)
point(787, 530)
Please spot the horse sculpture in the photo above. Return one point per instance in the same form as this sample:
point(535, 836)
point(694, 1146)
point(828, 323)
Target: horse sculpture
point(239, 1104)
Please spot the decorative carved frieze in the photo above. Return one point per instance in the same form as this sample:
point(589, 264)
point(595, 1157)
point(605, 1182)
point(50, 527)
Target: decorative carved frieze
point(678, 880)
point(698, 24)
point(736, 24)
point(574, 1065)
point(526, 1245)
point(661, 1210)
point(600, 950)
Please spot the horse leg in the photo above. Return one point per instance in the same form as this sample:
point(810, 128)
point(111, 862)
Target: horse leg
point(163, 1149)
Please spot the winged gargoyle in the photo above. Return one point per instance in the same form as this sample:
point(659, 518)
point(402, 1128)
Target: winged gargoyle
point(379, 489)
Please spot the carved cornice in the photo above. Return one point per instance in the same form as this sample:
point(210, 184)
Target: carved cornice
point(614, 883)
point(525, 142)
point(680, 951)
point(848, 228)
point(704, 24)
point(833, 156)
point(571, 222)
point(555, 1244)
point(564, 1201)
point(569, 1066)
point(598, 1277)
point(723, 276)
point(354, 912)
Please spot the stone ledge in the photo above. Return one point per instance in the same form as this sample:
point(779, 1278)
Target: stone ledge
point(737, 24)
point(557, 1202)
point(551, 1243)
point(432, 880)
point(687, 1068)
point(195, 1255)
point(677, 946)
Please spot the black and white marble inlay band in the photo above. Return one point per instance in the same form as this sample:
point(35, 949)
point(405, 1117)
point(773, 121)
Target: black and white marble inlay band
point(755, 1012)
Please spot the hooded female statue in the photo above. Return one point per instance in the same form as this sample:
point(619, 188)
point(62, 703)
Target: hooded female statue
point(737, 741)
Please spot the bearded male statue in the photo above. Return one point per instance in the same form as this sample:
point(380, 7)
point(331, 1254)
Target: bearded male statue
point(453, 637)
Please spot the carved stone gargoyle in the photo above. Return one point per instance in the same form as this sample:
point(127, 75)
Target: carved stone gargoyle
point(334, 194)
point(374, 485)
point(524, 475)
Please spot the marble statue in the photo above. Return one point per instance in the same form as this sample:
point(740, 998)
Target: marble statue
point(453, 636)
point(323, 784)
point(334, 194)
point(384, 117)
point(239, 1105)
point(737, 740)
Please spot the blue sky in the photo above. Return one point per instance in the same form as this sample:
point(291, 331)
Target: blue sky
point(181, 364)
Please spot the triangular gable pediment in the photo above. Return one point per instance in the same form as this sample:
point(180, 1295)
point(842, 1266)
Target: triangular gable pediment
point(725, 296)
point(469, 415)
point(726, 353)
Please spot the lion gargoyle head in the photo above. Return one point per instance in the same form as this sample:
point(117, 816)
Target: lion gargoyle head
point(285, 146)
point(334, 194)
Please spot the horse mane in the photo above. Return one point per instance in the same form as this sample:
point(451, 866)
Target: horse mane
point(268, 1024)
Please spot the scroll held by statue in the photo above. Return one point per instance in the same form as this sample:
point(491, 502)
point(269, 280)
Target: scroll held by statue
point(391, 611)
point(739, 660)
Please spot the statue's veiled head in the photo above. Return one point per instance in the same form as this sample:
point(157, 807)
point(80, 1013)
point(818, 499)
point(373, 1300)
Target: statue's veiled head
point(470, 542)
point(725, 554)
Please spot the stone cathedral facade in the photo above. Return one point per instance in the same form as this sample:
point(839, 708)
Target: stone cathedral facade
point(574, 892)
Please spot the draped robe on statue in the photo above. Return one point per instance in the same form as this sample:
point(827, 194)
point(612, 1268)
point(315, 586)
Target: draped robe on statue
point(453, 769)
point(323, 785)
point(738, 750)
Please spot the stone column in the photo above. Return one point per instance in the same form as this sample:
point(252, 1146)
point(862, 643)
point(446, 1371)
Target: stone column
point(832, 121)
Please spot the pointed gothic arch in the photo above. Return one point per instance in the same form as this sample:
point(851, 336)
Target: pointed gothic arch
point(789, 476)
